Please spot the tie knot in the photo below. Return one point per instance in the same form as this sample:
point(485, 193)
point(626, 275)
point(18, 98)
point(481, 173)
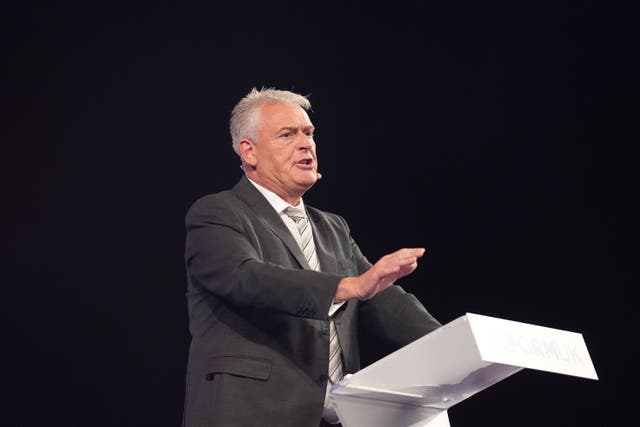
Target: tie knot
point(296, 214)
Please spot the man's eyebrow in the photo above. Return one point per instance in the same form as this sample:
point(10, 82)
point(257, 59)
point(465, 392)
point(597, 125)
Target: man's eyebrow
point(289, 128)
point(295, 128)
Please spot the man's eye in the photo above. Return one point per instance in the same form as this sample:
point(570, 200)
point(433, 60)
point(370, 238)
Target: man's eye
point(286, 135)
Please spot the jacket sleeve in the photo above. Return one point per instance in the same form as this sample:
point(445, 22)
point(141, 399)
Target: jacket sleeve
point(391, 320)
point(221, 258)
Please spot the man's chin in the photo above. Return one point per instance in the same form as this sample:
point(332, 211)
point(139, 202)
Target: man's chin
point(306, 177)
point(307, 182)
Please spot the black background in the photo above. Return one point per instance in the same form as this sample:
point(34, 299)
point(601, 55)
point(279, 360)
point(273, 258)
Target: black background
point(499, 136)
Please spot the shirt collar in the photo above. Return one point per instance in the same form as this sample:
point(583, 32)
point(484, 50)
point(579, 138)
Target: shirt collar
point(274, 200)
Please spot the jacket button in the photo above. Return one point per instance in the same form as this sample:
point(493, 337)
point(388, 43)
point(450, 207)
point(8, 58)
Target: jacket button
point(325, 331)
point(323, 378)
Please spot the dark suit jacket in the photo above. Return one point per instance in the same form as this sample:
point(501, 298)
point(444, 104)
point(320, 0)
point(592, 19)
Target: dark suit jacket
point(258, 315)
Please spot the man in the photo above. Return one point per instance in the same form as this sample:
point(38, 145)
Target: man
point(277, 298)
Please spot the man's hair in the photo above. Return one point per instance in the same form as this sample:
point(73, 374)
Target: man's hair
point(244, 116)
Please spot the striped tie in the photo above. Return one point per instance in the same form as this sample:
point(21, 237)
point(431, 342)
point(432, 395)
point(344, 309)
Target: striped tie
point(335, 355)
point(299, 216)
point(306, 236)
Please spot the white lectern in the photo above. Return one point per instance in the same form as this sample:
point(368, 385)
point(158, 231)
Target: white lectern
point(414, 386)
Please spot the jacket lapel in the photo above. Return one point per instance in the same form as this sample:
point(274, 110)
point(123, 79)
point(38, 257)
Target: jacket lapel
point(324, 246)
point(269, 217)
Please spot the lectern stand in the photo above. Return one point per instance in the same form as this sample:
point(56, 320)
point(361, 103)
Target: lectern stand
point(416, 385)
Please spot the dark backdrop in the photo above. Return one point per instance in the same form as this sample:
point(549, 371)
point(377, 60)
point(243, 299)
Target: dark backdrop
point(499, 136)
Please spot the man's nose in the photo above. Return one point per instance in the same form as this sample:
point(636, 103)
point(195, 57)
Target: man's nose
point(305, 142)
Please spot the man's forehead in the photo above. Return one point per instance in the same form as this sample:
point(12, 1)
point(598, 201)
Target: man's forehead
point(285, 115)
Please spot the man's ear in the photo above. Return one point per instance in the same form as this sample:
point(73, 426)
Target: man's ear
point(248, 152)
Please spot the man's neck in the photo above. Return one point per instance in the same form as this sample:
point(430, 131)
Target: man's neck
point(293, 200)
point(271, 194)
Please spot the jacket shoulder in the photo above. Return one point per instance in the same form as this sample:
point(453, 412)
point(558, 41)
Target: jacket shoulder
point(211, 200)
point(223, 205)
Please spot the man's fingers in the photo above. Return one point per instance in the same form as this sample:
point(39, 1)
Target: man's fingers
point(417, 252)
point(388, 269)
point(408, 252)
point(408, 260)
point(403, 258)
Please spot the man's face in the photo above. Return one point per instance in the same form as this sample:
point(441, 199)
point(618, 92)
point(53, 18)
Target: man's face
point(284, 154)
